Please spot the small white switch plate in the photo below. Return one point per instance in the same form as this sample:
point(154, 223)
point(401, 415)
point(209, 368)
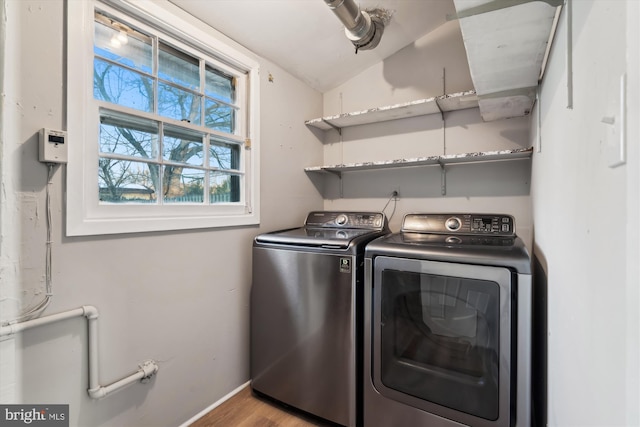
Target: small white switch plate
point(616, 135)
point(53, 146)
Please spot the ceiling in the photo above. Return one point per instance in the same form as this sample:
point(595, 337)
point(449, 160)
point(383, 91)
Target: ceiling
point(305, 37)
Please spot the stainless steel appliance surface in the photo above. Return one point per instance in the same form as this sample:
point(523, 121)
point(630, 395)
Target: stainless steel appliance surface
point(306, 313)
point(448, 324)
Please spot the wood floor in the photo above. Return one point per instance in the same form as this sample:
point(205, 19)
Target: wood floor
point(248, 410)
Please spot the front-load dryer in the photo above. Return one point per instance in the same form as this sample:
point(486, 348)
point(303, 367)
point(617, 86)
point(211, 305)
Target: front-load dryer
point(448, 324)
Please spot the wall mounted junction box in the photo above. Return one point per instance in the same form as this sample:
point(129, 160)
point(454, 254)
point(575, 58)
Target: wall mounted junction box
point(53, 146)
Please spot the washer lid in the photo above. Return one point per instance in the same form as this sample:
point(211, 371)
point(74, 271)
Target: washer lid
point(317, 237)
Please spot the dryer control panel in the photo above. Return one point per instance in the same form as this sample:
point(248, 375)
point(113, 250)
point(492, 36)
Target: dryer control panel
point(456, 223)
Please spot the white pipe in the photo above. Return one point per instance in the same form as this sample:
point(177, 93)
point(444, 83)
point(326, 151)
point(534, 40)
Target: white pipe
point(14, 328)
point(147, 370)
point(94, 362)
point(96, 391)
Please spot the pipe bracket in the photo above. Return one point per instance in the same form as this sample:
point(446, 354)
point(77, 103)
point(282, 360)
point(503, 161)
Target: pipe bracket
point(149, 368)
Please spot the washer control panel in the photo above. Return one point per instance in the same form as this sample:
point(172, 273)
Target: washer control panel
point(367, 220)
point(484, 224)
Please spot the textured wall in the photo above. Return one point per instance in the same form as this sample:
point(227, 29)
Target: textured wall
point(180, 298)
point(432, 65)
point(586, 219)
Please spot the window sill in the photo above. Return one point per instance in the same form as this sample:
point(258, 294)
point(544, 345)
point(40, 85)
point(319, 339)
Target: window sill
point(104, 226)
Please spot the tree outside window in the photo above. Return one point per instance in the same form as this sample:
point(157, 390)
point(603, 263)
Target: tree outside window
point(162, 121)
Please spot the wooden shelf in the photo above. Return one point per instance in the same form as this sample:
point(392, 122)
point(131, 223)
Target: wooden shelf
point(482, 156)
point(421, 107)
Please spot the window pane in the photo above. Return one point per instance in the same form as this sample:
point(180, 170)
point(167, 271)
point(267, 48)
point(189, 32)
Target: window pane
point(219, 116)
point(182, 146)
point(178, 67)
point(121, 86)
point(220, 85)
point(224, 156)
point(122, 181)
point(178, 104)
point(224, 187)
point(183, 185)
point(120, 44)
point(171, 90)
point(128, 135)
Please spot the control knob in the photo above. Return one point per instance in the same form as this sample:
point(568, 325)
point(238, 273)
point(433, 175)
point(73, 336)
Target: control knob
point(453, 223)
point(341, 219)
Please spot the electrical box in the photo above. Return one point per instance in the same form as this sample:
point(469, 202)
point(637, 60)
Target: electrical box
point(53, 146)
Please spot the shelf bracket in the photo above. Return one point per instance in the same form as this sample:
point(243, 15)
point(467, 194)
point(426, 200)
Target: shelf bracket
point(440, 109)
point(443, 179)
point(333, 126)
point(336, 173)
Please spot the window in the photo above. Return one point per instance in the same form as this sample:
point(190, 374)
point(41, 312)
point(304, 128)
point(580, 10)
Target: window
point(163, 119)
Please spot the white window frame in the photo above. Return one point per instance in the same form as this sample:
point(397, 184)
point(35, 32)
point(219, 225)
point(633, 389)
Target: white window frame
point(85, 215)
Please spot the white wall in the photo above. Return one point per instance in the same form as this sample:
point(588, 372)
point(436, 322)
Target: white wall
point(586, 220)
point(180, 298)
point(433, 65)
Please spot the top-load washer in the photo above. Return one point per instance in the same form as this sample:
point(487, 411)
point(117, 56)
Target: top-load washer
point(448, 324)
point(306, 313)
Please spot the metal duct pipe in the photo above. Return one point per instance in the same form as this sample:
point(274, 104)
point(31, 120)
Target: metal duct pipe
point(347, 12)
point(362, 29)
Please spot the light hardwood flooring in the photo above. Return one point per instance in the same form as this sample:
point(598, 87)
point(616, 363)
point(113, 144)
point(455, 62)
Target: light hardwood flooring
point(248, 410)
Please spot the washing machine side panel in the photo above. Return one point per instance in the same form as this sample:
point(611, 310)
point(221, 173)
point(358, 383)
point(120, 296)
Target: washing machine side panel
point(302, 331)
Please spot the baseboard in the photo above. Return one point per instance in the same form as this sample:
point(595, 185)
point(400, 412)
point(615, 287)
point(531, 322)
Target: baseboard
point(213, 406)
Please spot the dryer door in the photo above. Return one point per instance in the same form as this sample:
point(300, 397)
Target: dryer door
point(442, 338)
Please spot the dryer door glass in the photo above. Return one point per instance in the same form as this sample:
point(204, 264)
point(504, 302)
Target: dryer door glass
point(439, 340)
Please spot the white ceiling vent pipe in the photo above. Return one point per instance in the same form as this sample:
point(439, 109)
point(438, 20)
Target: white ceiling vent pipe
point(96, 391)
point(364, 29)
